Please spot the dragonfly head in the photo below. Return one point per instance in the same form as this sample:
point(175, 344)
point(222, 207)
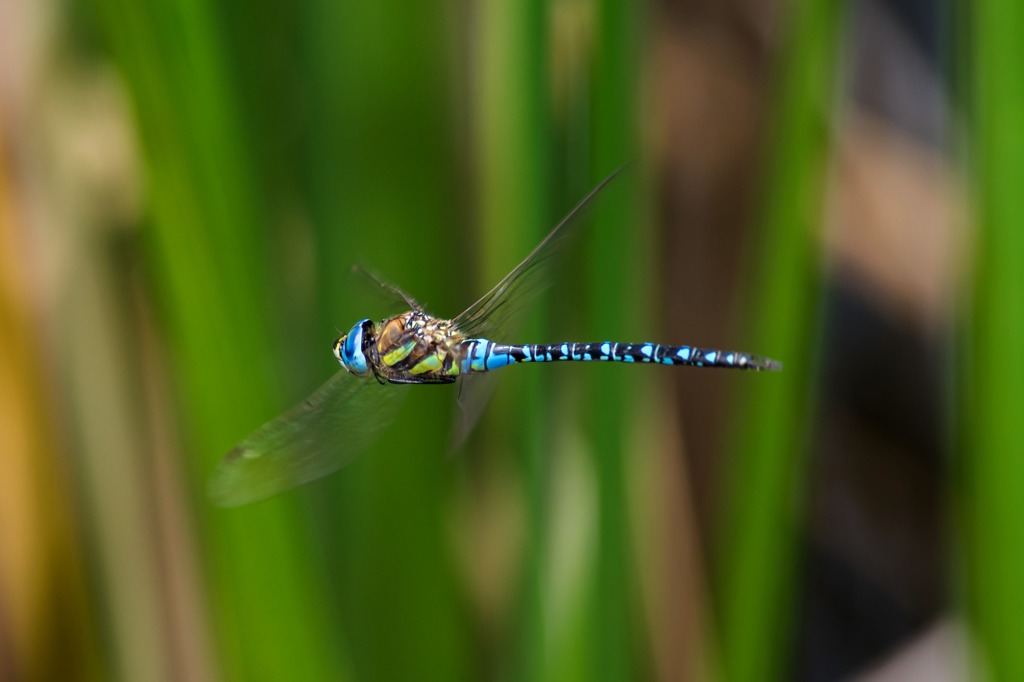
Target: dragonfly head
point(352, 349)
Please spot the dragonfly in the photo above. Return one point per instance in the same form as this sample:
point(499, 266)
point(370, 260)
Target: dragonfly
point(380, 360)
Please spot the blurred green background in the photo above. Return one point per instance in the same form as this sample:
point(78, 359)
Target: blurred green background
point(185, 184)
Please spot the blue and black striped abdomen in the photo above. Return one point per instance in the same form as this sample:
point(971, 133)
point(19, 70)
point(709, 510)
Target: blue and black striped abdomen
point(482, 355)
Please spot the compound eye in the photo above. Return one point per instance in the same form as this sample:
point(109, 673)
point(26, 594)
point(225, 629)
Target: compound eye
point(350, 349)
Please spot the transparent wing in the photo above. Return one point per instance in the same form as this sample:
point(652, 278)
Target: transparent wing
point(381, 285)
point(475, 392)
point(317, 437)
point(496, 312)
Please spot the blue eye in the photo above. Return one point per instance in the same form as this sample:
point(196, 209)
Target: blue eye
point(349, 349)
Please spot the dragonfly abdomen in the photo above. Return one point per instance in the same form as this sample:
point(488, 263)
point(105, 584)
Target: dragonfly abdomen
point(482, 355)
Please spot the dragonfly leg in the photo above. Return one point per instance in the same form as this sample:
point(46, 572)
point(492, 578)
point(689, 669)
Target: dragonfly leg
point(421, 380)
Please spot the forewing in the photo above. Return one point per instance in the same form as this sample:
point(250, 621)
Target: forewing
point(391, 292)
point(496, 315)
point(497, 311)
point(317, 437)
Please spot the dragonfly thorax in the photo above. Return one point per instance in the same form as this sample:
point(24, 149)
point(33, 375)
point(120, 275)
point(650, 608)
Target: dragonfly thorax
point(413, 347)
